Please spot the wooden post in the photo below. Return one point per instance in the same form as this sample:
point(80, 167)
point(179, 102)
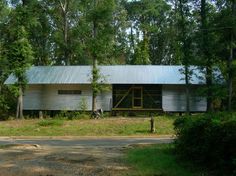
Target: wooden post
point(19, 110)
point(40, 114)
point(152, 125)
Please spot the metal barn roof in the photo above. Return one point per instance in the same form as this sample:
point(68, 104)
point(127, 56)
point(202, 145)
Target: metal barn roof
point(117, 74)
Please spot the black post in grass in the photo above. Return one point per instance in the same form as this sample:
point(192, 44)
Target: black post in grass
point(152, 125)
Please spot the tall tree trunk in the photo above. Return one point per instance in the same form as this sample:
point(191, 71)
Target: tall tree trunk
point(230, 60)
point(95, 63)
point(19, 110)
point(66, 52)
point(64, 9)
point(94, 98)
point(132, 38)
point(209, 86)
point(230, 79)
point(206, 55)
point(185, 51)
point(187, 89)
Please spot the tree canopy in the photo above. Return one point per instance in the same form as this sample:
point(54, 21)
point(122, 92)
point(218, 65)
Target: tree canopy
point(77, 32)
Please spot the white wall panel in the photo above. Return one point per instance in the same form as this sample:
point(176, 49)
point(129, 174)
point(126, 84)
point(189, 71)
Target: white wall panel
point(32, 98)
point(174, 99)
point(46, 97)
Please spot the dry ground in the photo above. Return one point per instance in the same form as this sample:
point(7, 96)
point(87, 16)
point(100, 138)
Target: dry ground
point(35, 160)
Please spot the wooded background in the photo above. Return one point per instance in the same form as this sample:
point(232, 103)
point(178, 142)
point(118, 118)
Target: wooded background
point(106, 32)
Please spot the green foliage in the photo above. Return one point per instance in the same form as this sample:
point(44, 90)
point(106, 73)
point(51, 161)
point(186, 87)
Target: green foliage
point(63, 114)
point(81, 116)
point(116, 31)
point(7, 102)
point(3, 108)
point(152, 20)
point(50, 122)
point(96, 86)
point(83, 104)
point(19, 54)
point(17, 49)
point(100, 30)
point(158, 160)
point(234, 85)
point(208, 140)
point(73, 115)
point(141, 56)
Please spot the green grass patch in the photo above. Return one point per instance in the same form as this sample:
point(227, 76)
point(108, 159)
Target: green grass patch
point(50, 122)
point(87, 127)
point(158, 160)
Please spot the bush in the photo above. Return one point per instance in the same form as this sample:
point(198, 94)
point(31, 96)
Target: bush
point(208, 140)
point(83, 105)
point(69, 115)
point(82, 115)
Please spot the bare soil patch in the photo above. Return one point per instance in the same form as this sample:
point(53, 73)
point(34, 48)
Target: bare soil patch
point(35, 160)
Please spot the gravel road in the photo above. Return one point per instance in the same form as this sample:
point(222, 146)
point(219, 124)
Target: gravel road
point(67, 156)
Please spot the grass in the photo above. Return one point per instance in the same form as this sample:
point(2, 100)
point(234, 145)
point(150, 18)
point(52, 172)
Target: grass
point(158, 160)
point(50, 122)
point(90, 127)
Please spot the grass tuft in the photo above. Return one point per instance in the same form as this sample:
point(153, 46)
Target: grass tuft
point(158, 160)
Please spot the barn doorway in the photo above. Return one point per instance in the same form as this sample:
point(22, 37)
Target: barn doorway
point(137, 97)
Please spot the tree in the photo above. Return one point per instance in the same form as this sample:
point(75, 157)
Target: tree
point(184, 49)
point(206, 52)
point(68, 22)
point(218, 48)
point(37, 24)
point(99, 37)
point(4, 105)
point(141, 54)
point(231, 49)
point(18, 53)
point(150, 22)
point(60, 11)
point(39, 32)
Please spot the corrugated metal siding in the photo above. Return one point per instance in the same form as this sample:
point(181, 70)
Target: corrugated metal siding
point(119, 74)
point(174, 99)
point(33, 98)
point(104, 101)
point(46, 97)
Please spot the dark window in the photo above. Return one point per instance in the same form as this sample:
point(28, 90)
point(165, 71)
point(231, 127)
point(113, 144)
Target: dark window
point(69, 92)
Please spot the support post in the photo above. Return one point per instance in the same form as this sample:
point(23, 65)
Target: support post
point(152, 125)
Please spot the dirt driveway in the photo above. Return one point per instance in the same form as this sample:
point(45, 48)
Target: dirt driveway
point(67, 157)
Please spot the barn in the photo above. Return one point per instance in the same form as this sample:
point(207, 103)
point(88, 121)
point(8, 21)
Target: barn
point(128, 88)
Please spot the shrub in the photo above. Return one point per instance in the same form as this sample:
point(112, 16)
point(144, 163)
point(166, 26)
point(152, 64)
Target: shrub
point(83, 105)
point(208, 140)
